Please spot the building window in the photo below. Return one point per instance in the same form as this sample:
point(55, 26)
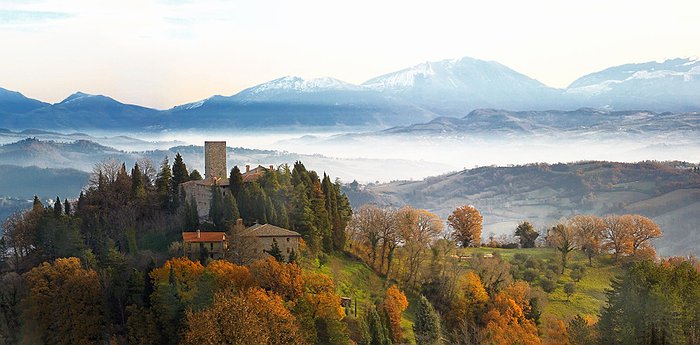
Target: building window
point(287, 239)
point(287, 250)
point(211, 246)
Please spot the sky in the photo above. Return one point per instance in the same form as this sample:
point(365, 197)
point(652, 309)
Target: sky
point(162, 53)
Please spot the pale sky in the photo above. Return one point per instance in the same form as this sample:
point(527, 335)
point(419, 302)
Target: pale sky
point(162, 53)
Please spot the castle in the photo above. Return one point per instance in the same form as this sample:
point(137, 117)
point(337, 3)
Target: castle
point(214, 244)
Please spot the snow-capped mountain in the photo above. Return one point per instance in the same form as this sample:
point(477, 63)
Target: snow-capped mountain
point(671, 85)
point(425, 91)
point(463, 84)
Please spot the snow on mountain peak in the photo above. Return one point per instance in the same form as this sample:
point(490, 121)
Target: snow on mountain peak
point(294, 83)
point(74, 97)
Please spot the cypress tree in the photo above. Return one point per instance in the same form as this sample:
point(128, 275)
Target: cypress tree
point(66, 206)
point(376, 332)
point(57, 207)
point(235, 181)
point(231, 213)
point(427, 324)
point(216, 209)
point(138, 189)
point(302, 218)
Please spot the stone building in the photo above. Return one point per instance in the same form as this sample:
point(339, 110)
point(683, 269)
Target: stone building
point(215, 175)
point(265, 235)
point(200, 244)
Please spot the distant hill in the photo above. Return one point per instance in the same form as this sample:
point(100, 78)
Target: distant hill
point(25, 182)
point(669, 192)
point(451, 88)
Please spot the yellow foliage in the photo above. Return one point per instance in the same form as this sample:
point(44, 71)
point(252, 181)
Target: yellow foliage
point(230, 276)
point(185, 272)
point(283, 279)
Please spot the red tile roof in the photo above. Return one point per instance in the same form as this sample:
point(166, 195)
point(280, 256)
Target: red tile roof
point(204, 236)
point(268, 230)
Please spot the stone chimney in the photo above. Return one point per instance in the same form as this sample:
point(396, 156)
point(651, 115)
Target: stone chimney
point(247, 168)
point(215, 159)
point(199, 234)
point(272, 167)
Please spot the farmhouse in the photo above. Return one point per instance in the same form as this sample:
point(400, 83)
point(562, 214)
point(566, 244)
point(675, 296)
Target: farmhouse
point(204, 244)
point(265, 235)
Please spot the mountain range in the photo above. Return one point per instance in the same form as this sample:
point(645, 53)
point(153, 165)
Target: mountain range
point(449, 88)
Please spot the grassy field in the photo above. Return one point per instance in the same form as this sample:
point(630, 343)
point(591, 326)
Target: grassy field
point(589, 297)
point(356, 280)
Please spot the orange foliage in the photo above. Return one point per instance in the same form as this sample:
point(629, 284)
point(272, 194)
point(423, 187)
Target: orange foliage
point(506, 322)
point(230, 276)
point(467, 223)
point(249, 317)
point(319, 292)
point(395, 304)
point(283, 279)
point(185, 272)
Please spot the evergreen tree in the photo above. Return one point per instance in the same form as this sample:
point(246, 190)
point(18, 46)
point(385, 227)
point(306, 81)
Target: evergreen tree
point(292, 257)
point(195, 175)
point(302, 218)
point(216, 209)
point(138, 188)
point(190, 215)
point(123, 184)
point(235, 181)
point(36, 204)
point(180, 175)
point(321, 217)
point(163, 183)
point(57, 207)
point(375, 330)
point(252, 203)
point(427, 324)
point(67, 206)
point(275, 251)
point(231, 213)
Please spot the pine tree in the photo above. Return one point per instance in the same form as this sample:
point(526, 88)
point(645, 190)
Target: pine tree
point(67, 206)
point(37, 205)
point(375, 330)
point(163, 182)
point(427, 324)
point(57, 207)
point(190, 215)
point(321, 219)
point(292, 257)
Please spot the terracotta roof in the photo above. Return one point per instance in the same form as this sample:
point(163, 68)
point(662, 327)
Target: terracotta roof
point(204, 236)
point(254, 174)
point(268, 230)
point(222, 181)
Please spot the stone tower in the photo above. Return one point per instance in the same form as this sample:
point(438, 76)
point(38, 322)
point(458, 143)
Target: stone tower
point(215, 159)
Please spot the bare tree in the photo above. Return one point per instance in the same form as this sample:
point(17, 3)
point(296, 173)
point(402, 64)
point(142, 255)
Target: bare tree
point(561, 237)
point(643, 230)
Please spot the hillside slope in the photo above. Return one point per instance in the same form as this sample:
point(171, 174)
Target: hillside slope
point(543, 193)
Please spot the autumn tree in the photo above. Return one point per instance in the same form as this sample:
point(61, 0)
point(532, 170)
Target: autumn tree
point(561, 237)
point(63, 304)
point(320, 312)
point(506, 322)
point(527, 234)
point(466, 221)
point(365, 228)
point(588, 234)
point(418, 229)
point(618, 233)
point(426, 326)
point(267, 321)
point(582, 331)
point(278, 277)
point(395, 303)
point(12, 291)
point(643, 230)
